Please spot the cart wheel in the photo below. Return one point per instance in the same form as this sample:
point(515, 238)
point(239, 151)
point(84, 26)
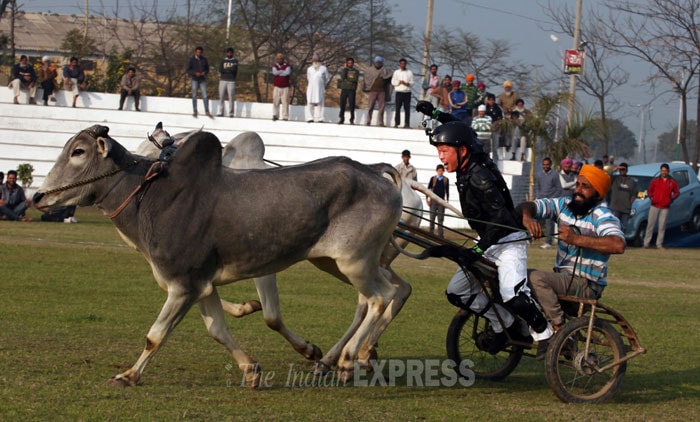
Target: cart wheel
point(572, 377)
point(467, 339)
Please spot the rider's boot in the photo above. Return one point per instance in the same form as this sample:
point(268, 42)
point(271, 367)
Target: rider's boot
point(527, 309)
point(480, 305)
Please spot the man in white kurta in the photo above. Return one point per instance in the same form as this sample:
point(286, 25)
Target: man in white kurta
point(317, 76)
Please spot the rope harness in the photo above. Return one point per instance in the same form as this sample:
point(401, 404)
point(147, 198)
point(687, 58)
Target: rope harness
point(153, 171)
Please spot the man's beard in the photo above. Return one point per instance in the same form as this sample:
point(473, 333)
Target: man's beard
point(582, 208)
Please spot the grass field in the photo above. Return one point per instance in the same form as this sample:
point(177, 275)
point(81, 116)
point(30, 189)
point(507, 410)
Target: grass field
point(76, 303)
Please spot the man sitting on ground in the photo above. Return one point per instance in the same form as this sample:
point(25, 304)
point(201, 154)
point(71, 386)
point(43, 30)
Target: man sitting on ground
point(13, 203)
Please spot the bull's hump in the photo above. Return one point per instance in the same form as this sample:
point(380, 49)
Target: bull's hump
point(201, 151)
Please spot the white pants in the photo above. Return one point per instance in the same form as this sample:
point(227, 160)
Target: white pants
point(314, 111)
point(17, 86)
point(227, 87)
point(510, 256)
point(280, 95)
point(73, 87)
point(659, 214)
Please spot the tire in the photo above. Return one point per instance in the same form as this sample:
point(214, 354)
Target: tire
point(464, 337)
point(574, 380)
point(694, 223)
point(638, 239)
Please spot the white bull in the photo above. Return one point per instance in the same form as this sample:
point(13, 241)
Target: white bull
point(341, 225)
point(246, 152)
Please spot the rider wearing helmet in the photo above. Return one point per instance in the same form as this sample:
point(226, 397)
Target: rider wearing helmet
point(488, 207)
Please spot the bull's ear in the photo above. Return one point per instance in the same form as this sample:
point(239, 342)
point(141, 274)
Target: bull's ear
point(104, 145)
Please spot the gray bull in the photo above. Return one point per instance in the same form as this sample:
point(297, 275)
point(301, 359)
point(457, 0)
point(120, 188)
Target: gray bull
point(232, 231)
point(245, 152)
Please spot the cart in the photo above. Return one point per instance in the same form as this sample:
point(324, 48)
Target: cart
point(585, 360)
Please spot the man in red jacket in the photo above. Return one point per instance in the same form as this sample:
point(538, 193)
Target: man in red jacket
point(662, 191)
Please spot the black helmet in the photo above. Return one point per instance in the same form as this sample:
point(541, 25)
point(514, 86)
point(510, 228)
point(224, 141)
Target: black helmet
point(455, 134)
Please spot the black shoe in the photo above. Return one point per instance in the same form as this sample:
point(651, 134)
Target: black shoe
point(497, 343)
point(518, 331)
point(274, 118)
point(341, 122)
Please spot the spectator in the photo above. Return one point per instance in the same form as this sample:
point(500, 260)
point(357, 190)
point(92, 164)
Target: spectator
point(496, 115)
point(60, 214)
point(575, 166)
point(406, 169)
point(610, 167)
point(662, 191)
point(282, 76)
point(317, 77)
point(47, 80)
point(376, 79)
point(440, 186)
point(472, 93)
point(74, 78)
point(458, 101)
point(600, 164)
point(228, 71)
point(13, 203)
point(430, 82)
point(442, 94)
point(349, 77)
point(567, 178)
point(547, 186)
point(402, 80)
point(508, 97)
point(519, 139)
point(482, 126)
point(198, 69)
point(623, 192)
point(130, 84)
point(481, 94)
point(23, 77)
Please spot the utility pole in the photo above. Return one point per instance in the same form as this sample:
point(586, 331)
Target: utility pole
point(428, 34)
point(228, 23)
point(371, 31)
point(87, 21)
point(572, 78)
point(642, 130)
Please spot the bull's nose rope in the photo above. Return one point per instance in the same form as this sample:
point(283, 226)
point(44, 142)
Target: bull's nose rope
point(90, 180)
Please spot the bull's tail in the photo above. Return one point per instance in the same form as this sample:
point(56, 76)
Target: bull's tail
point(384, 168)
point(433, 197)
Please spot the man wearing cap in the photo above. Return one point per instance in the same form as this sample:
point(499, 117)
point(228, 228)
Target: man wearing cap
point(482, 126)
point(23, 77)
point(472, 92)
point(376, 79)
point(567, 178)
point(281, 80)
point(440, 186)
point(588, 234)
point(402, 80)
point(228, 71)
point(488, 207)
point(406, 169)
point(47, 79)
point(481, 94)
point(508, 97)
point(317, 77)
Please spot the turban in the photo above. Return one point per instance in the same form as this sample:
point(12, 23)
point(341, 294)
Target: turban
point(470, 77)
point(379, 59)
point(599, 179)
point(566, 162)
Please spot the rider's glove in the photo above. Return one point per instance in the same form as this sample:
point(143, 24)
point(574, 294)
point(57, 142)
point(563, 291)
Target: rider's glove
point(425, 107)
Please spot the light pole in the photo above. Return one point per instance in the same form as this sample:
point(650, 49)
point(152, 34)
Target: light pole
point(572, 78)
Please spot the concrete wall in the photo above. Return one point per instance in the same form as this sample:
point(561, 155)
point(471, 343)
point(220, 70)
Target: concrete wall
point(36, 134)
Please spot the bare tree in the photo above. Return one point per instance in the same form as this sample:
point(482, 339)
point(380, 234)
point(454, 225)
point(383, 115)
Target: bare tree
point(601, 77)
point(663, 33)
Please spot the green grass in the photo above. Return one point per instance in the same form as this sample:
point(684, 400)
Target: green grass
point(76, 303)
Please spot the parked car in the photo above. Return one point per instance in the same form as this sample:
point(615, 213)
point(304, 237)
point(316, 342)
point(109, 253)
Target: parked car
point(685, 209)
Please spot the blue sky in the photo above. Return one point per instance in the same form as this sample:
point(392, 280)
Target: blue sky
point(517, 21)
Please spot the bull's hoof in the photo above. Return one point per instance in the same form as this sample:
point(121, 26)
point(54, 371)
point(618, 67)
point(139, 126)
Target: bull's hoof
point(345, 375)
point(365, 359)
point(321, 369)
point(316, 354)
point(255, 305)
point(120, 381)
point(253, 375)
